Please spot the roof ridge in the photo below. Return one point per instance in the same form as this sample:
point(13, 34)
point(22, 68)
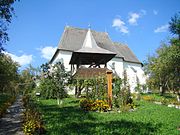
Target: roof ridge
point(119, 43)
point(72, 27)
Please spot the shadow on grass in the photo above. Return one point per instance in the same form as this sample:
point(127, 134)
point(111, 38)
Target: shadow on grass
point(72, 120)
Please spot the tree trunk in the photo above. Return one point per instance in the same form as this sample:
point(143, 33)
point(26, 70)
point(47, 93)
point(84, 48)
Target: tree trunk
point(162, 90)
point(76, 91)
point(87, 93)
point(178, 96)
point(79, 92)
point(59, 101)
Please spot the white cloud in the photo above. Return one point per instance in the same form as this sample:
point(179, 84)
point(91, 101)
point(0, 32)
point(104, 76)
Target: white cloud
point(47, 52)
point(133, 17)
point(120, 25)
point(163, 28)
point(155, 12)
point(143, 12)
point(22, 60)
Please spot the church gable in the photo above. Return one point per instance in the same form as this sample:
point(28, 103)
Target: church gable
point(73, 38)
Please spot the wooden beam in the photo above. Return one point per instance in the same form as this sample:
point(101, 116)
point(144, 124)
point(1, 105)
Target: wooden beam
point(109, 83)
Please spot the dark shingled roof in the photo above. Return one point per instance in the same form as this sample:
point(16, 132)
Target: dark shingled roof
point(73, 38)
point(124, 51)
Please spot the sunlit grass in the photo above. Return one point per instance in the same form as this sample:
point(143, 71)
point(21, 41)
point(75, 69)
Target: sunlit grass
point(148, 119)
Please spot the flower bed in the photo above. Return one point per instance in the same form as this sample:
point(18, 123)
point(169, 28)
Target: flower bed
point(97, 105)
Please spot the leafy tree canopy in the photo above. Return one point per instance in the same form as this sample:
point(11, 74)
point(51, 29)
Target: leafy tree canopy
point(175, 25)
point(8, 73)
point(6, 13)
point(164, 67)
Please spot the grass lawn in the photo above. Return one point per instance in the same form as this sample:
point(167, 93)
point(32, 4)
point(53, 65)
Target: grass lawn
point(69, 119)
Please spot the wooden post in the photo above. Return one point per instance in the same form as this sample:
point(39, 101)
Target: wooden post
point(109, 84)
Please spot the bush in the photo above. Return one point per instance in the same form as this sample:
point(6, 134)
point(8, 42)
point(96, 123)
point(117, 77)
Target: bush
point(148, 98)
point(174, 102)
point(32, 118)
point(97, 105)
point(164, 101)
point(4, 106)
point(32, 122)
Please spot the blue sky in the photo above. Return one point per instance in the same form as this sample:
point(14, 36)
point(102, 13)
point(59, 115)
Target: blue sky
point(36, 30)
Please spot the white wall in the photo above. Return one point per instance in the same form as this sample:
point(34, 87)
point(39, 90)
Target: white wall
point(66, 57)
point(119, 67)
point(132, 75)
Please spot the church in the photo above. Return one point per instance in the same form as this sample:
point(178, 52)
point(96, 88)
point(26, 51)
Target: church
point(87, 48)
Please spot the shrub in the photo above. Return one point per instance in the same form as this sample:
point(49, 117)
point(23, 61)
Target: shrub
point(148, 98)
point(32, 118)
point(32, 122)
point(4, 107)
point(97, 105)
point(164, 101)
point(101, 106)
point(87, 105)
point(125, 108)
point(128, 107)
point(136, 96)
point(174, 101)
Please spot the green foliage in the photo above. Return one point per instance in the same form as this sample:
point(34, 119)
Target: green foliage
point(8, 74)
point(97, 105)
point(149, 118)
point(148, 98)
point(117, 86)
point(27, 79)
point(5, 102)
point(121, 94)
point(164, 68)
point(96, 88)
point(175, 24)
point(47, 88)
point(165, 100)
point(6, 13)
point(53, 81)
point(32, 121)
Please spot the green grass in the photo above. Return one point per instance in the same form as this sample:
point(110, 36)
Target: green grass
point(3, 98)
point(69, 119)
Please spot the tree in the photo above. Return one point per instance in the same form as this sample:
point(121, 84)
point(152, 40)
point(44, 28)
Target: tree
point(27, 79)
point(54, 81)
point(164, 67)
point(8, 74)
point(174, 25)
point(6, 13)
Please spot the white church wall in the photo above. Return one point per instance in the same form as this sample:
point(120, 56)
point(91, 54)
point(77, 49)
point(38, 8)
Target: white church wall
point(65, 56)
point(134, 71)
point(116, 65)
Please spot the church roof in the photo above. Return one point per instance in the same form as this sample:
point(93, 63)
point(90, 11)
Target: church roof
point(126, 52)
point(73, 39)
point(90, 45)
point(90, 52)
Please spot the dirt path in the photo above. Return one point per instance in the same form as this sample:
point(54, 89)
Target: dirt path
point(11, 123)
